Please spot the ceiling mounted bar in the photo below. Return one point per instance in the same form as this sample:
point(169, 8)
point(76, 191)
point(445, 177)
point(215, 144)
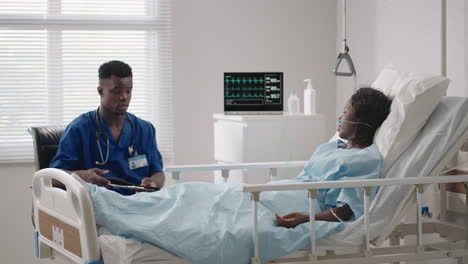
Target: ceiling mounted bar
point(344, 55)
point(443, 38)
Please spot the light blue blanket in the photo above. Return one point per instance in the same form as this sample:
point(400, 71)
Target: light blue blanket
point(208, 223)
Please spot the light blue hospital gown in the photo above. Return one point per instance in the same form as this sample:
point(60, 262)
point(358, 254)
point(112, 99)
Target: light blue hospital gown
point(208, 223)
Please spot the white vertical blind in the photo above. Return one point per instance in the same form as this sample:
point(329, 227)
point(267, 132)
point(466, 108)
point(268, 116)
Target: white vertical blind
point(49, 64)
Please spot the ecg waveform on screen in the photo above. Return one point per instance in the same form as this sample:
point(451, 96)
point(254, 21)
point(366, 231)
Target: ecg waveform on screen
point(244, 95)
point(243, 80)
point(252, 88)
point(244, 89)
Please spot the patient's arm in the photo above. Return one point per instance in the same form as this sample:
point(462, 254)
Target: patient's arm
point(294, 219)
point(342, 212)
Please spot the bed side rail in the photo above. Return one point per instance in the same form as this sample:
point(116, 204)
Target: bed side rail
point(312, 187)
point(225, 168)
point(64, 218)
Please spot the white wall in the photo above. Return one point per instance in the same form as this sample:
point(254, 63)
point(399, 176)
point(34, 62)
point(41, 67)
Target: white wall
point(457, 49)
point(16, 232)
point(406, 34)
point(296, 37)
point(465, 44)
point(212, 36)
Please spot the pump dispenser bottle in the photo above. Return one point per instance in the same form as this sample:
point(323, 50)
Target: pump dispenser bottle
point(310, 96)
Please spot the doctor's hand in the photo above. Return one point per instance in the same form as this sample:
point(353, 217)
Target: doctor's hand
point(148, 182)
point(92, 176)
point(291, 220)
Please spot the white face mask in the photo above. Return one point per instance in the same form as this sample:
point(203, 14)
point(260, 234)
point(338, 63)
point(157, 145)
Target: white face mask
point(338, 123)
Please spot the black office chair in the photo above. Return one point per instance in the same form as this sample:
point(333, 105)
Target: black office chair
point(45, 141)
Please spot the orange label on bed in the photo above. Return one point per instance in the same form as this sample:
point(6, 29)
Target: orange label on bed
point(62, 234)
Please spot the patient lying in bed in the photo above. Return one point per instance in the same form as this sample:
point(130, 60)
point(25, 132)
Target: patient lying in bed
point(208, 223)
point(359, 158)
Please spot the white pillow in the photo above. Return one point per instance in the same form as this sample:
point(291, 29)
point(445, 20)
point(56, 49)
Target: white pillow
point(387, 79)
point(415, 98)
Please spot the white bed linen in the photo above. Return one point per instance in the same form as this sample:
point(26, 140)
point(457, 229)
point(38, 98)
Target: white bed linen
point(121, 250)
point(445, 127)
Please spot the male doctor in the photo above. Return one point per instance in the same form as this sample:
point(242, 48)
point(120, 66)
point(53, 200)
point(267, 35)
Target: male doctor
point(109, 142)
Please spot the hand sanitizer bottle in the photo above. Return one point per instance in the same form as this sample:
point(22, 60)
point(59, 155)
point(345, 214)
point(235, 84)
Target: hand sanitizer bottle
point(310, 96)
point(293, 103)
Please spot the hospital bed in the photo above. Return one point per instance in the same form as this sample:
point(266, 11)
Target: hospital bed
point(66, 226)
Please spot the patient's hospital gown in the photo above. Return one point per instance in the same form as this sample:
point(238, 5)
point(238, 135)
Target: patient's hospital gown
point(212, 223)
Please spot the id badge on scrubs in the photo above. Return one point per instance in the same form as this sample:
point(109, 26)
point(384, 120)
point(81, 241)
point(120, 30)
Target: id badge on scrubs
point(137, 162)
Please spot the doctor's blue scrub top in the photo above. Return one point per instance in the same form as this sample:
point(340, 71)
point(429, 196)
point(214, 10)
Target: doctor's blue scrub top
point(78, 149)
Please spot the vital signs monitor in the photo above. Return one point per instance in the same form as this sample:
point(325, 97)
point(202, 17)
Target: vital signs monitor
point(253, 92)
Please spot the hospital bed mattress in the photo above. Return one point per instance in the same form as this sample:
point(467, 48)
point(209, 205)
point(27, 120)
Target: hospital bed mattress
point(121, 250)
point(440, 134)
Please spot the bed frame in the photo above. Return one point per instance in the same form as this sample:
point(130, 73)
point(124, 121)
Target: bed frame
point(66, 227)
point(369, 251)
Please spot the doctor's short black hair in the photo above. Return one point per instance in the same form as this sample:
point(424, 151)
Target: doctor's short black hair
point(116, 68)
point(371, 107)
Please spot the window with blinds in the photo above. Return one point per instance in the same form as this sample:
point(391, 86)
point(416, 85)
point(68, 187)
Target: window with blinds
point(50, 52)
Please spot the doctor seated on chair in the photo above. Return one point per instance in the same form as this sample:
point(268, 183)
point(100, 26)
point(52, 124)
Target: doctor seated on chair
point(109, 143)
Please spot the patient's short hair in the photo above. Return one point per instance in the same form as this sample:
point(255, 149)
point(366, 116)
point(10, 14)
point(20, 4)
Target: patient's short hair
point(115, 68)
point(372, 107)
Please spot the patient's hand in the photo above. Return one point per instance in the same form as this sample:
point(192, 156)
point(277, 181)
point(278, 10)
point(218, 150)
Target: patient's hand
point(292, 219)
point(92, 176)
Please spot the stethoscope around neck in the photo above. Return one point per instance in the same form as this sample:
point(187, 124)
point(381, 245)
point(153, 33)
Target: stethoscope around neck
point(100, 132)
